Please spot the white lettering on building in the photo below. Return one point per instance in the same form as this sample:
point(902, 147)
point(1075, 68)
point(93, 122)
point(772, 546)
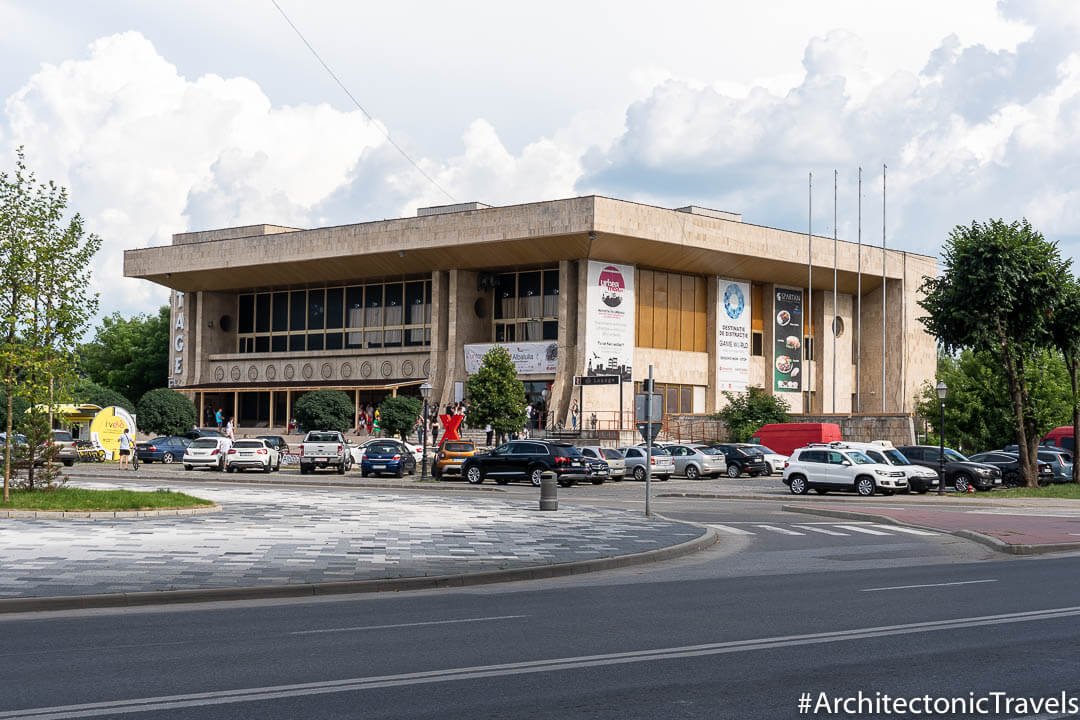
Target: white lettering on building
point(178, 342)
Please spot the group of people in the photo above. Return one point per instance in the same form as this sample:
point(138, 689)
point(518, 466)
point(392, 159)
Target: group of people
point(229, 429)
point(369, 422)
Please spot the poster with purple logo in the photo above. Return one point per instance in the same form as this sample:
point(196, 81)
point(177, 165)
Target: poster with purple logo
point(609, 329)
point(787, 334)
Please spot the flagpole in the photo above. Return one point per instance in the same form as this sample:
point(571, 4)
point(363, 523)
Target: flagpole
point(835, 249)
point(858, 314)
point(809, 310)
point(884, 347)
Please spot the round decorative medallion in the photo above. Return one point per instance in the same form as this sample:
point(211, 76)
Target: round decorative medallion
point(307, 371)
point(289, 372)
point(271, 372)
point(253, 372)
point(408, 368)
point(365, 369)
point(386, 368)
point(346, 370)
point(326, 371)
point(235, 372)
point(219, 373)
point(427, 368)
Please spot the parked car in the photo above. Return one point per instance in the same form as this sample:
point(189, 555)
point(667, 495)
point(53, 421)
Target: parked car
point(615, 461)
point(277, 442)
point(920, 479)
point(960, 473)
point(1009, 465)
point(356, 450)
point(162, 449)
point(387, 456)
point(323, 449)
point(693, 461)
point(67, 453)
point(786, 437)
point(823, 468)
point(1060, 437)
point(451, 457)
point(743, 458)
point(1060, 460)
point(252, 453)
point(663, 465)
point(773, 459)
point(207, 452)
point(196, 433)
point(527, 460)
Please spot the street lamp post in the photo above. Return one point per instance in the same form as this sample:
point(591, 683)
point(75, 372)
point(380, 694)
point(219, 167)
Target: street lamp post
point(425, 392)
point(941, 389)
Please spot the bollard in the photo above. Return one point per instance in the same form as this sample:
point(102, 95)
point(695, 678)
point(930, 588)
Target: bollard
point(549, 491)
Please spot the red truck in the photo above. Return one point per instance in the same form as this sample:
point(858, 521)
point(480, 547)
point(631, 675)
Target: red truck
point(785, 438)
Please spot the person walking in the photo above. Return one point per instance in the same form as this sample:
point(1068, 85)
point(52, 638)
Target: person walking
point(218, 418)
point(375, 425)
point(435, 432)
point(573, 416)
point(230, 430)
point(489, 432)
point(419, 427)
point(125, 449)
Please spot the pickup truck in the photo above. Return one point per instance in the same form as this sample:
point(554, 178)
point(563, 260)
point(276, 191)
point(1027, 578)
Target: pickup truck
point(323, 449)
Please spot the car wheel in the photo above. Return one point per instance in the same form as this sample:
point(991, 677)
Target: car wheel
point(798, 485)
point(69, 463)
point(268, 467)
point(166, 458)
point(566, 482)
point(692, 473)
point(961, 482)
point(536, 476)
point(400, 470)
point(639, 473)
point(188, 467)
point(598, 480)
point(435, 474)
point(864, 486)
point(221, 465)
point(278, 466)
point(1011, 479)
point(474, 475)
point(341, 467)
point(733, 471)
point(230, 469)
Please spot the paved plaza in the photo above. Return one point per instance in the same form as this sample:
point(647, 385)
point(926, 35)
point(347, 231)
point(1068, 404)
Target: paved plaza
point(270, 536)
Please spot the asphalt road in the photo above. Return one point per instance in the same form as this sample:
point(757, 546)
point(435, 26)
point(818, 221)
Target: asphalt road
point(739, 631)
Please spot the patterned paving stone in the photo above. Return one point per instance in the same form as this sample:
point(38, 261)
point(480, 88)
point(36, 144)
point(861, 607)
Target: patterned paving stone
point(272, 536)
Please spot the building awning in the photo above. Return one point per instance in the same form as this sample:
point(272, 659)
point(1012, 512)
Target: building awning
point(312, 385)
point(70, 412)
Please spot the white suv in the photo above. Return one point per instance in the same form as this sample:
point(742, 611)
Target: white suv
point(825, 467)
point(920, 479)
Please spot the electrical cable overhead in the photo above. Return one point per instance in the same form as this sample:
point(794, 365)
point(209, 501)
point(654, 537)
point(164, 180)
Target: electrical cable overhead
point(356, 102)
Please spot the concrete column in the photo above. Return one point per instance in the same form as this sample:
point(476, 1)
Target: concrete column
point(271, 409)
point(569, 349)
point(712, 289)
point(288, 409)
point(202, 408)
point(236, 408)
point(356, 408)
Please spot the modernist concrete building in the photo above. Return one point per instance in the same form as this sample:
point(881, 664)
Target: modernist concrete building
point(584, 286)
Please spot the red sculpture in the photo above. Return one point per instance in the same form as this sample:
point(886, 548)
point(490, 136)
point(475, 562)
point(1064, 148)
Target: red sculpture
point(450, 424)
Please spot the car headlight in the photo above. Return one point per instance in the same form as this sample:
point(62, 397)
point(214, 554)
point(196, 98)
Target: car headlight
point(886, 473)
point(984, 471)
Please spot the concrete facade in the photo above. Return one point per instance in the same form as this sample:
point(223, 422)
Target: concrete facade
point(458, 249)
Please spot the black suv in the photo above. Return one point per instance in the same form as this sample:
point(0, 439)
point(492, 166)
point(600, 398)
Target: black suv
point(527, 460)
point(743, 458)
point(959, 471)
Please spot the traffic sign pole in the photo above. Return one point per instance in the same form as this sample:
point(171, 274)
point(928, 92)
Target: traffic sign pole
point(648, 446)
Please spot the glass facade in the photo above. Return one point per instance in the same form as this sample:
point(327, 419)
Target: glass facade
point(361, 317)
point(526, 306)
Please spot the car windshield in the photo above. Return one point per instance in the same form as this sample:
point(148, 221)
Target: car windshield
point(659, 451)
point(611, 454)
point(954, 456)
point(567, 451)
point(708, 451)
point(734, 450)
point(859, 459)
point(204, 443)
point(321, 437)
point(766, 450)
point(159, 441)
point(895, 457)
point(248, 444)
point(62, 436)
point(382, 448)
point(458, 447)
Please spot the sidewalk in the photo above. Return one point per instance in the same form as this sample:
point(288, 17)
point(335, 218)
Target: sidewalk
point(271, 542)
point(1014, 527)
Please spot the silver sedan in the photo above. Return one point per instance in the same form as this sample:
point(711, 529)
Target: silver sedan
point(695, 461)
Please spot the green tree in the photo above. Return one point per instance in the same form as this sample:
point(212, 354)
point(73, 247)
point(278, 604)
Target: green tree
point(1065, 330)
point(88, 391)
point(130, 356)
point(165, 412)
point(325, 410)
point(19, 407)
point(746, 412)
point(496, 396)
point(999, 286)
point(397, 415)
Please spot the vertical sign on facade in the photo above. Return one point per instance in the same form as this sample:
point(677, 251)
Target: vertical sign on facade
point(178, 333)
point(609, 329)
point(787, 340)
point(733, 336)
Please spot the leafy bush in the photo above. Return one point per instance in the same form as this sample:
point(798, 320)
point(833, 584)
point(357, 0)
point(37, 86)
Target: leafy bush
point(325, 410)
point(165, 412)
point(88, 391)
point(496, 396)
point(746, 412)
point(398, 415)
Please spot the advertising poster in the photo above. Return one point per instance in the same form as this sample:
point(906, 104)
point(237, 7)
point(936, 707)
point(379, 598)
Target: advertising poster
point(733, 336)
point(787, 340)
point(609, 329)
point(530, 358)
point(107, 427)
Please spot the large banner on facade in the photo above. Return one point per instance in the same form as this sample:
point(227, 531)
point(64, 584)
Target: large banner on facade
point(609, 320)
point(787, 340)
point(530, 358)
point(733, 336)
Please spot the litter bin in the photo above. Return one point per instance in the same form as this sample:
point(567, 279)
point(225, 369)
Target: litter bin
point(549, 491)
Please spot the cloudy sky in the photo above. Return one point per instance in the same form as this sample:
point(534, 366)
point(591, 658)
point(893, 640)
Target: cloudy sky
point(171, 116)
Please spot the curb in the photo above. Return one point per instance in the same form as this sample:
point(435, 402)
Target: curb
point(987, 540)
point(224, 478)
point(166, 597)
point(107, 514)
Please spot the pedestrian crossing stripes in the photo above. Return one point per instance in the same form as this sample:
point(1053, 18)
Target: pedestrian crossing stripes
point(848, 529)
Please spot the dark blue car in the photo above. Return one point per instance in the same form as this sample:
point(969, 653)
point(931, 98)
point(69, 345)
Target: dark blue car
point(387, 456)
point(162, 449)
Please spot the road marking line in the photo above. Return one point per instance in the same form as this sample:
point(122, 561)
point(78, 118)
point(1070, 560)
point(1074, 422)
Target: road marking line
point(273, 692)
point(858, 529)
point(823, 531)
point(909, 587)
point(912, 531)
point(403, 625)
point(729, 529)
point(782, 531)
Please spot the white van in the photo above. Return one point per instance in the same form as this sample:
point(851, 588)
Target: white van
point(920, 479)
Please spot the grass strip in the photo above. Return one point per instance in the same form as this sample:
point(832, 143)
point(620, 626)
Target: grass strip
point(1064, 491)
point(82, 499)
